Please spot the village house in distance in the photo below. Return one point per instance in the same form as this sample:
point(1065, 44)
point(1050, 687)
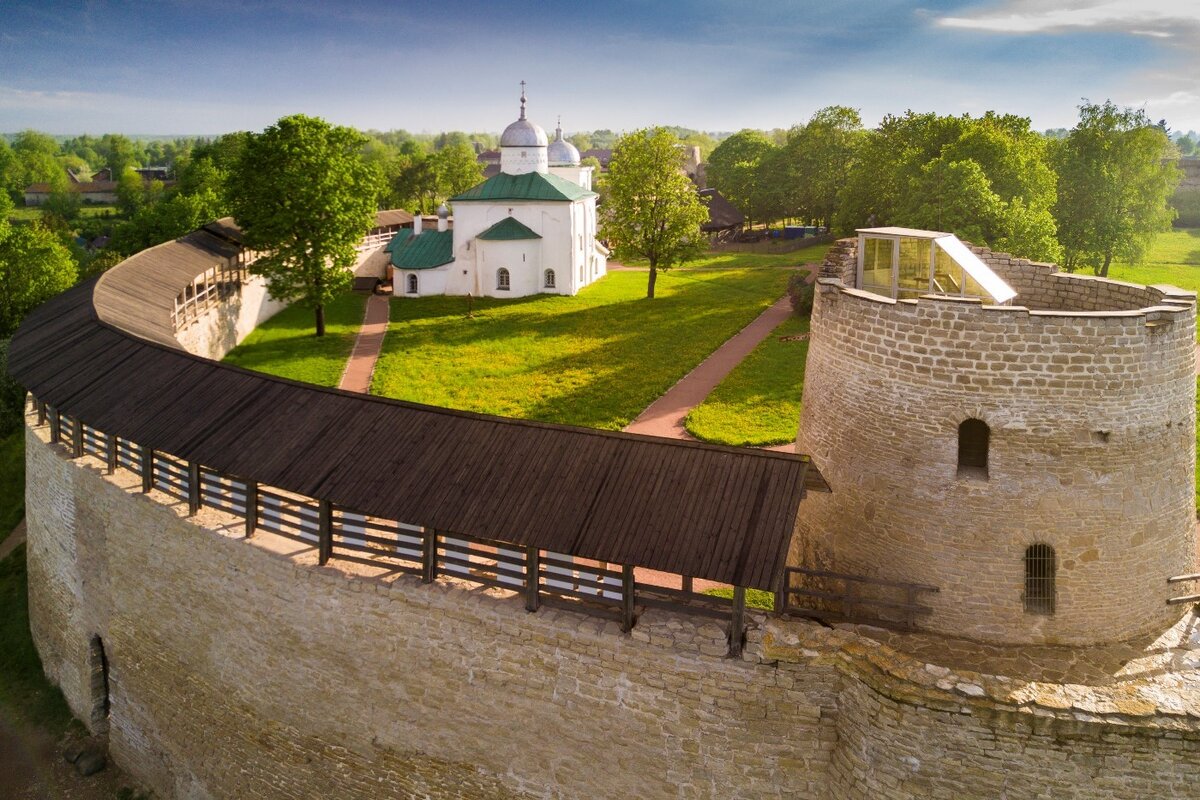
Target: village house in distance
point(529, 229)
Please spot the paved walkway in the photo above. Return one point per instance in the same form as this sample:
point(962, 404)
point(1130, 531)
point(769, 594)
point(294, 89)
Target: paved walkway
point(361, 365)
point(665, 415)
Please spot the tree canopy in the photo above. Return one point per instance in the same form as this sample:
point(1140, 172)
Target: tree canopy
point(34, 266)
point(735, 170)
point(651, 208)
point(1116, 172)
point(302, 193)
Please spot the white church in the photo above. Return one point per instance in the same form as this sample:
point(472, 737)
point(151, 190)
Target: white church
point(529, 229)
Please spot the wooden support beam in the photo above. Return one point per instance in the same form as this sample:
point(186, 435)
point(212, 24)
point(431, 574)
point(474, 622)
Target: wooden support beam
point(628, 597)
point(147, 469)
point(687, 583)
point(737, 624)
point(251, 507)
point(193, 488)
point(110, 454)
point(429, 557)
point(533, 567)
point(41, 411)
point(55, 426)
point(324, 531)
point(77, 439)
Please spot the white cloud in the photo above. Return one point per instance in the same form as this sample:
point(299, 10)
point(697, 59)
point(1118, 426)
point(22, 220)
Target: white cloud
point(1158, 18)
point(37, 100)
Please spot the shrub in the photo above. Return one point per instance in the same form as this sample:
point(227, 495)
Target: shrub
point(1187, 203)
point(12, 395)
point(801, 294)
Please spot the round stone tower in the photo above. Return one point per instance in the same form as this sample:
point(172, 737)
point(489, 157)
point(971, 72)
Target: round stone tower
point(1033, 461)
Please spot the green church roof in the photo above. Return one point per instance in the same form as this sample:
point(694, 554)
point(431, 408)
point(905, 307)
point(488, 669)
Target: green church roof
point(508, 229)
point(530, 186)
point(430, 249)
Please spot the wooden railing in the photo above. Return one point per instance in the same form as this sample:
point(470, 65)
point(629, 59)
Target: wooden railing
point(373, 240)
point(839, 597)
point(539, 576)
point(1187, 598)
point(208, 289)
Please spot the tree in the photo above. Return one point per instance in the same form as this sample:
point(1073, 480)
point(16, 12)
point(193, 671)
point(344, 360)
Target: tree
point(1116, 172)
point(815, 163)
point(733, 169)
point(304, 198)
point(34, 266)
point(651, 208)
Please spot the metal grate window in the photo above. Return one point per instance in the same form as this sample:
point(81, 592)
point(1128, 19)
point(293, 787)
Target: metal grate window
point(502, 282)
point(1039, 579)
point(973, 435)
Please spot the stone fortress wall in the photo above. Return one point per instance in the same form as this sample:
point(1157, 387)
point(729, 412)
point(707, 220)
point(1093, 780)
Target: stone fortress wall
point(239, 668)
point(1089, 395)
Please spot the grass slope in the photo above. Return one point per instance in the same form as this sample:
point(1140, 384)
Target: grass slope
point(285, 345)
point(12, 481)
point(729, 260)
point(596, 359)
point(1174, 259)
point(758, 403)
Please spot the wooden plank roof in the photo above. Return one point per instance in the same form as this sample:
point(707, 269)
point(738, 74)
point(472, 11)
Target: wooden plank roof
point(97, 352)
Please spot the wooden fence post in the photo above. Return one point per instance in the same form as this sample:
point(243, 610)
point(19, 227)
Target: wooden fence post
point(147, 469)
point(628, 597)
point(429, 557)
point(533, 568)
point(110, 453)
point(324, 531)
point(737, 625)
point(781, 592)
point(251, 507)
point(77, 439)
point(193, 488)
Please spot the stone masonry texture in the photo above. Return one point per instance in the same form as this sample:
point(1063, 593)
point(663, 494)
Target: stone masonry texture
point(238, 668)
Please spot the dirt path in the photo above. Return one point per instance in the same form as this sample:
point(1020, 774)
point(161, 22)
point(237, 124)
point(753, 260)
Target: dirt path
point(361, 364)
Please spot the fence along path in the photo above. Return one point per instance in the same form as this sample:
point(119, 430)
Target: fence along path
point(569, 495)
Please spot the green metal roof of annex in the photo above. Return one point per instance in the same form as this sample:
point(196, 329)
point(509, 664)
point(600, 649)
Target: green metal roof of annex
point(530, 186)
point(428, 250)
point(508, 229)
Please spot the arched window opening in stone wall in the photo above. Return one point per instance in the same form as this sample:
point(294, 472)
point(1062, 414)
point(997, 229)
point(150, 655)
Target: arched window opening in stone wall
point(98, 665)
point(1039, 579)
point(549, 276)
point(973, 436)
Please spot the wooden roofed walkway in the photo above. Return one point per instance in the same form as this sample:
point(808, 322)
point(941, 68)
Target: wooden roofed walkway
point(110, 379)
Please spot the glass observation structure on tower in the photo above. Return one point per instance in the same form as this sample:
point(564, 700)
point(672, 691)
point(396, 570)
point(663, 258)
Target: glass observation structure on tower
point(903, 263)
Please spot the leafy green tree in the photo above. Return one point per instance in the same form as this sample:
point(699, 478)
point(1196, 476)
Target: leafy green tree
point(1116, 172)
point(302, 193)
point(457, 169)
point(131, 191)
point(164, 220)
point(34, 266)
point(953, 196)
point(651, 209)
point(814, 164)
point(64, 203)
point(733, 169)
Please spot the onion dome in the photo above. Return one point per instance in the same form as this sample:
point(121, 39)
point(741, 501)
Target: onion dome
point(562, 153)
point(523, 132)
point(442, 211)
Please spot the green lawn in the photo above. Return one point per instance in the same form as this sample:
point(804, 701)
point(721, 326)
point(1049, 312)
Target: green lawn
point(24, 214)
point(758, 403)
point(1174, 259)
point(286, 344)
point(596, 359)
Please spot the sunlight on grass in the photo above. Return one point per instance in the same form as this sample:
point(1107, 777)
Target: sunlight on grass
point(596, 359)
point(758, 403)
point(286, 344)
point(1174, 259)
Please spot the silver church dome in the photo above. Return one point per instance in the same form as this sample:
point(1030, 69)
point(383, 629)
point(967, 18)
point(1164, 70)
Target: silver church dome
point(523, 132)
point(561, 152)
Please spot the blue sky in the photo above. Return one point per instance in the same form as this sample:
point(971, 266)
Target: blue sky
point(211, 66)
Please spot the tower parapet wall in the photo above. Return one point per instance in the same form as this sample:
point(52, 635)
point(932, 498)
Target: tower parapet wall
point(1091, 416)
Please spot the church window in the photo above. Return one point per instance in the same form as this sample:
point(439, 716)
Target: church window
point(1039, 579)
point(502, 281)
point(412, 284)
point(973, 435)
point(549, 279)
